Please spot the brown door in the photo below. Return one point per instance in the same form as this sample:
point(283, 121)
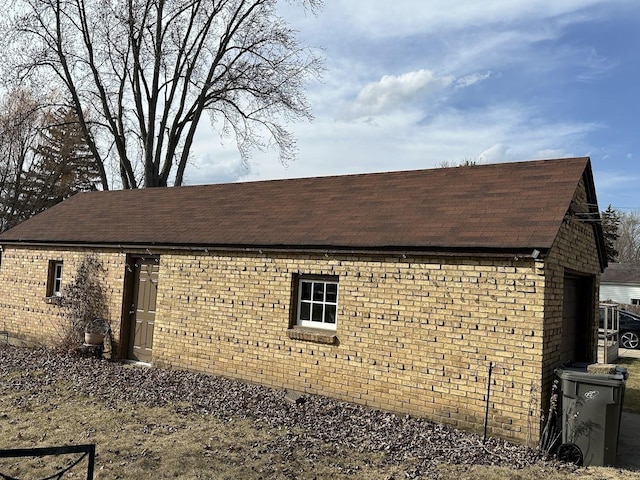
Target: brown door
point(143, 310)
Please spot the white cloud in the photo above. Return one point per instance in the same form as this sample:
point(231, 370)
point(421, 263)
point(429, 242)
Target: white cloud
point(496, 153)
point(472, 79)
point(449, 80)
point(392, 91)
point(407, 91)
point(457, 36)
point(400, 141)
point(595, 64)
point(408, 17)
point(608, 179)
point(222, 166)
point(215, 158)
point(616, 188)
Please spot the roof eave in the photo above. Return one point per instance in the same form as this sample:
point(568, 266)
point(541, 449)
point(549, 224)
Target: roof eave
point(592, 198)
point(514, 253)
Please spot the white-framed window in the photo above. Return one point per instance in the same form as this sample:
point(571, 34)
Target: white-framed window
point(317, 302)
point(54, 282)
point(635, 301)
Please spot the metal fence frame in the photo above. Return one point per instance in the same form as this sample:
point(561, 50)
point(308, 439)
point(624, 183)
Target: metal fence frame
point(86, 450)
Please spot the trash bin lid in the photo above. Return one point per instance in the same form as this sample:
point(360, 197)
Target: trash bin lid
point(612, 380)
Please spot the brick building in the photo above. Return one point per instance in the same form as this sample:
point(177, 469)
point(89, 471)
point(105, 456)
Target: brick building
point(394, 290)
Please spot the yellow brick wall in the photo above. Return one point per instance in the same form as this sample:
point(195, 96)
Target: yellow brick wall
point(416, 335)
point(24, 311)
point(574, 251)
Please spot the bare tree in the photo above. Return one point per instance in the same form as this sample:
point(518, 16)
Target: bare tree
point(146, 71)
point(467, 162)
point(628, 242)
point(20, 122)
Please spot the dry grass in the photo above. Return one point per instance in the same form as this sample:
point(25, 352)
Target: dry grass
point(632, 391)
point(136, 442)
point(161, 443)
point(479, 472)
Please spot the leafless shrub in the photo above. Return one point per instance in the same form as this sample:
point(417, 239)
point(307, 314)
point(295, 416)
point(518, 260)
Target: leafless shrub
point(85, 305)
point(552, 432)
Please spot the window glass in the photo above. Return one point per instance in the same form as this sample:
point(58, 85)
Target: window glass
point(305, 288)
point(318, 291)
point(317, 312)
point(330, 314)
point(57, 281)
point(317, 303)
point(332, 292)
point(305, 311)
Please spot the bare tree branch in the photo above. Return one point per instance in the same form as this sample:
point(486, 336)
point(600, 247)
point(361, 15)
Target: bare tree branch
point(146, 71)
point(628, 242)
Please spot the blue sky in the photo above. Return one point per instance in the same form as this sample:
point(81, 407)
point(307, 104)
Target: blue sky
point(431, 82)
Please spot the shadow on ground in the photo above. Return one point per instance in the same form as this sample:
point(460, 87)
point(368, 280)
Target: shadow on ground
point(629, 440)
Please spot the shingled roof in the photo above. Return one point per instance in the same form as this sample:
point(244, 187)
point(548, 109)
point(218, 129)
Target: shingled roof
point(621, 273)
point(508, 206)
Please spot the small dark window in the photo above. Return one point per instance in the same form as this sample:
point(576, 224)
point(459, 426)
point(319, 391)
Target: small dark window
point(635, 301)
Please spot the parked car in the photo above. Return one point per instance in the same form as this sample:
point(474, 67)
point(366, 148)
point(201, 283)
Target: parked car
point(629, 329)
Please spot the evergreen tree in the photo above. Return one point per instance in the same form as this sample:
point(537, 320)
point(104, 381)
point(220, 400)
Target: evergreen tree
point(610, 230)
point(63, 164)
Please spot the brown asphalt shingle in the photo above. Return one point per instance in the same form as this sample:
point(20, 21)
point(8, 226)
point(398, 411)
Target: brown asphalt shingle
point(621, 273)
point(500, 206)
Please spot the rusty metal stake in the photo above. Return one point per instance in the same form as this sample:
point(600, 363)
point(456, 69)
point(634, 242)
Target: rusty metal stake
point(486, 409)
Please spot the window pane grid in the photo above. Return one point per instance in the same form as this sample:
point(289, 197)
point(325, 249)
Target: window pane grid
point(318, 303)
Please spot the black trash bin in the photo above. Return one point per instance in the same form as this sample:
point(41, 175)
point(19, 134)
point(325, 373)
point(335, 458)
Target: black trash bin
point(591, 412)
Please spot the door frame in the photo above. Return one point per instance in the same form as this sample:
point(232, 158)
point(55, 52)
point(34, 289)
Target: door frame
point(128, 301)
point(585, 315)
